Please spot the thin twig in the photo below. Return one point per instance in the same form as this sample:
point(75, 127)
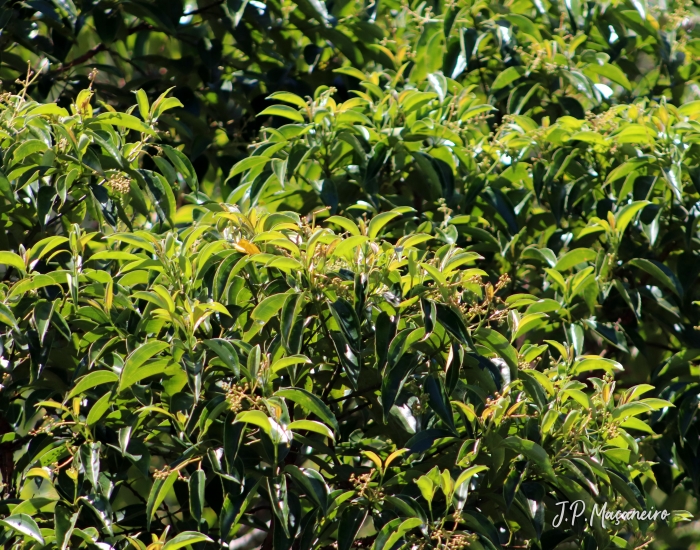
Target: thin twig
point(205, 8)
point(82, 58)
point(358, 408)
point(98, 49)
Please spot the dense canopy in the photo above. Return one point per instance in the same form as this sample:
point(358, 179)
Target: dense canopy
point(348, 274)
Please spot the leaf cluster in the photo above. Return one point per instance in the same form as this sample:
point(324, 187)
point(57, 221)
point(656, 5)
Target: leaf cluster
point(256, 372)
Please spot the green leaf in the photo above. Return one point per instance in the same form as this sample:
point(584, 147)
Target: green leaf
point(384, 333)
point(312, 426)
point(661, 273)
point(164, 103)
point(282, 263)
point(48, 109)
point(43, 247)
point(29, 147)
point(257, 418)
point(393, 382)
point(627, 489)
point(533, 452)
point(315, 9)
point(282, 111)
point(346, 317)
point(196, 489)
point(312, 482)
point(431, 176)
point(346, 223)
point(350, 522)
point(399, 532)
point(438, 400)
point(589, 363)
point(99, 409)
point(247, 501)
point(288, 97)
point(115, 255)
point(507, 77)
point(285, 362)
point(476, 111)
point(347, 247)
point(626, 214)
point(90, 459)
point(122, 120)
point(529, 321)
point(159, 490)
point(43, 311)
point(181, 163)
point(249, 163)
point(7, 317)
point(226, 352)
point(590, 137)
point(162, 193)
point(142, 101)
point(611, 72)
point(11, 259)
point(351, 71)
point(134, 367)
point(187, 538)
point(639, 407)
point(23, 524)
point(291, 328)
point(35, 283)
point(378, 222)
point(575, 257)
point(90, 381)
point(311, 403)
point(636, 424)
point(469, 473)
point(499, 344)
point(635, 133)
point(269, 307)
point(453, 323)
point(32, 506)
point(64, 524)
point(277, 490)
point(578, 396)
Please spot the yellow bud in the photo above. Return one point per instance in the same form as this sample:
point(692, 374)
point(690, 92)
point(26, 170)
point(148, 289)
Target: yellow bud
point(611, 220)
point(246, 247)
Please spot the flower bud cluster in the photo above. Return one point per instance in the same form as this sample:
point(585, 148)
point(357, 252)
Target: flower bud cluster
point(119, 183)
point(237, 394)
point(361, 482)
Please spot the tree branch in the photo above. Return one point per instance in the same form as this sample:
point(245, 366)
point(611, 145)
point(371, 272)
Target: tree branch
point(83, 58)
point(205, 8)
point(88, 55)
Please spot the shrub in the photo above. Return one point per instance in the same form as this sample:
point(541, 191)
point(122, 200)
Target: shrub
point(61, 167)
point(342, 385)
point(487, 201)
point(547, 58)
point(596, 217)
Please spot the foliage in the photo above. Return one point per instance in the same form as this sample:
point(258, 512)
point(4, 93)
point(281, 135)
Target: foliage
point(226, 56)
point(59, 167)
point(598, 217)
point(485, 199)
point(258, 367)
